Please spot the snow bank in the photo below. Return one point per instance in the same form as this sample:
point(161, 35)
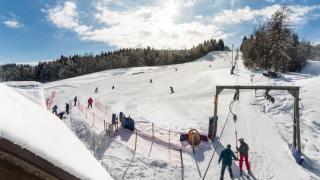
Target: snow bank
point(31, 90)
point(30, 126)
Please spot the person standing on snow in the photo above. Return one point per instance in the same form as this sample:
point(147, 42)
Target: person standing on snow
point(90, 101)
point(75, 100)
point(171, 89)
point(244, 149)
point(55, 109)
point(67, 108)
point(226, 157)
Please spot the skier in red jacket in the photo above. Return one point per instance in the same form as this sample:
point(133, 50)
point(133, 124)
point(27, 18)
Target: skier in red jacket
point(244, 149)
point(90, 101)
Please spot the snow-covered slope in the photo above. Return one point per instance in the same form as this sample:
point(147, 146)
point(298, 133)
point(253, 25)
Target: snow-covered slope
point(266, 127)
point(30, 89)
point(34, 128)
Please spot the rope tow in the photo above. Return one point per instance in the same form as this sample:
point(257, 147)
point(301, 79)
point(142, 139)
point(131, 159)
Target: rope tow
point(215, 148)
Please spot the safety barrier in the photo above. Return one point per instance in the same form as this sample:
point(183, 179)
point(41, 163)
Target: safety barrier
point(50, 100)
point(100, 106)
point(143, 129)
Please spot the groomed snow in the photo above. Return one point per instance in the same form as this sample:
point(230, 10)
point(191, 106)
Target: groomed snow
point(265, 126)
point(34, 128)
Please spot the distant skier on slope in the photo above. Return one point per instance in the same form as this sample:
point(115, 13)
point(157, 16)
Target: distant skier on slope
point(90, 101)
point(55, 109)
point(96, 90)
point(60, 115)
point(75, 100)
point(67, 108)
point(150, 81)
point(244, 149)
point(171, 89)
point(112, 87)
point(226, 157)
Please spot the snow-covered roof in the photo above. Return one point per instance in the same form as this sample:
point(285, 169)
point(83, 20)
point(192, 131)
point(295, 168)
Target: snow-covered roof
point(32, 127)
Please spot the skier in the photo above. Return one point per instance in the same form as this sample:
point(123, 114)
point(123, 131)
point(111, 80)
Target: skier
point(244, 149)
point(55, 109)
point(112, 87)
point(96, 90)
point(75, 100)
point(67, 108)
point(226, 157)
point(90, 101)
point(150, 81)
point(171, 89)
point(60, 115)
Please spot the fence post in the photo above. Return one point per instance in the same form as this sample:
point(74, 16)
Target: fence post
point(152, 131)
point(192, 143)
point(181, 158)
point(169, 137)
point(135, 144)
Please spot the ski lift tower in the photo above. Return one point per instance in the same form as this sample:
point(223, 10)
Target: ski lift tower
point(293, 90)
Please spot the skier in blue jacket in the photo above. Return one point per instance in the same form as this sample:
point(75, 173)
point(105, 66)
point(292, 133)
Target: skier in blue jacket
point(226, 157)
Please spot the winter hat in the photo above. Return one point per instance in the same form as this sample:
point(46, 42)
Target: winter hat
point(241, 140)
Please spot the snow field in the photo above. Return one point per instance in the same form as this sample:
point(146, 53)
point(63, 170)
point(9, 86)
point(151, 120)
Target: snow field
point(266, 127)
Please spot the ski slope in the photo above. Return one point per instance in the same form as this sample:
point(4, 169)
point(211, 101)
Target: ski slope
point(266, 127)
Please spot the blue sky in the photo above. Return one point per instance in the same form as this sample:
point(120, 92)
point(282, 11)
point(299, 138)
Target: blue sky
point(40, 30)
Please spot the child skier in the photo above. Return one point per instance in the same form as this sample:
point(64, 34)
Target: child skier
point(75, 100)
point(171, 89)
point(55, 109)
point(90, 101)
point(67, 108)
point(244, 149)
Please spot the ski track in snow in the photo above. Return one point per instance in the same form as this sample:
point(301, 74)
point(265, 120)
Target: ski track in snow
point(266, 127)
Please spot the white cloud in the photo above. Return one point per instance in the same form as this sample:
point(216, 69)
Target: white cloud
point(298, 16)
point(12, 23)
point(271, 1)
point(189, 3)
point(158, 26)
point(66, 16)
point(137, 27)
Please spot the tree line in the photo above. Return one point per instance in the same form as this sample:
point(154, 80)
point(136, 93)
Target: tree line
point(274, 46)
point(76, 65)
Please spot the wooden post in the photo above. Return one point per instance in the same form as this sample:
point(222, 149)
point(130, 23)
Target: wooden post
point(297, 120)
point(193, 144)
point(169, 137)
point(86, 113)
point(135, 144)
point(181, 158)
point(152, 131)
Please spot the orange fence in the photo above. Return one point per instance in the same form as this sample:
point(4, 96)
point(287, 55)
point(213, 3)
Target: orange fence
point(143, 129)
point(49, 101)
